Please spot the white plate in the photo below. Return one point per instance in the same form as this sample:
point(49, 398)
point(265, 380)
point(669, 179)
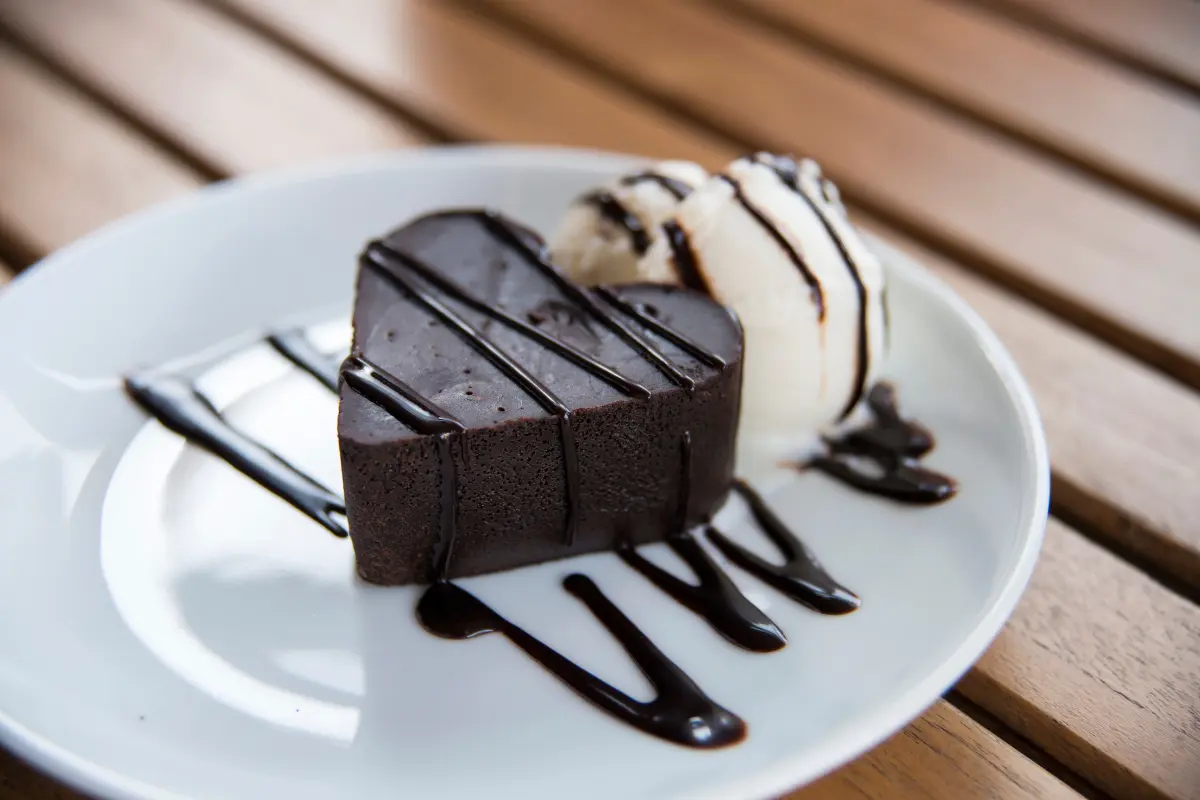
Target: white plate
point(168, 629)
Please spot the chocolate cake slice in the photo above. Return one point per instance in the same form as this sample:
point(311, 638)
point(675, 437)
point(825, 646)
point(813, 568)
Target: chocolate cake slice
point(494, 414)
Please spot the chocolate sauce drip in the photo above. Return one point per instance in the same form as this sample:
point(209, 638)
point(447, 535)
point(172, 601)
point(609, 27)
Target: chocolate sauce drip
point(814, 286)
point(531, 247)
point(715, 598)
point(683, 257)
point(613, 210)
point(789, 174)
point(406, 405)
point(180, 408)
point(696, 351)
point(296, 348)
point(385, 258)
point(681, 712)
point(518, 374)
point(673, 185)
point(894, 445)
point(801, 576)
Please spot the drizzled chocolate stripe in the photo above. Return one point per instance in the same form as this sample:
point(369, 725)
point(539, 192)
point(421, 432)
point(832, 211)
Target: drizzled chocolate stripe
point(683, 258)
point(180, 408)
point(526, 380)
point(676, 187)
point(613, 210)
point(529, 246)
point(814, 286)
point(801, 576)
point(380, 251)
point(706, 357)
point(296, 348)
point(681, 712)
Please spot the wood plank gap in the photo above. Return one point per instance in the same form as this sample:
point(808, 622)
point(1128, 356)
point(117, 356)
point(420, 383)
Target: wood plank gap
point(1024, 746)
point(1075, 160)
point(1089, 43)
point(193, 160)
point(432, 129)
point(1172, 362)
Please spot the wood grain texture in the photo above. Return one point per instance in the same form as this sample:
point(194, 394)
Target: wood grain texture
point(220, 92)
point(1132, 476)
point(1129, 128)
point(459, 74)
point(65, 168)
point(1100, 667)
point(1158, 36)
point(19, 781)
point(944, 755)
point(1107, 261)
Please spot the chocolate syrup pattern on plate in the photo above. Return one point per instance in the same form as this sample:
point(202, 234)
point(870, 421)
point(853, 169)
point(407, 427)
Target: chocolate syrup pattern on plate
point(894, 446)
point(681, 712)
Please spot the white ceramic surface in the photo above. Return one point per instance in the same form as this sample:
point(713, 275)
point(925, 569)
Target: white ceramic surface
point(168, 629)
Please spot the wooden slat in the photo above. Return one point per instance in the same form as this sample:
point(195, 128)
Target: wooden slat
point(20, 782)
point(217, 90)
point(1127, 127)
point(1108, 261)
point(465, 79)
point(944, 755)
point(1100, 666)
point(46, 131)
point(1130, 474)
point(1158, 36)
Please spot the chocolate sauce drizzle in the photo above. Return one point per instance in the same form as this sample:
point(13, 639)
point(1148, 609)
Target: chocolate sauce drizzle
point(683, 258)
point(689, 346)
point(894, 445)
point(814, 286)
point(522, 377)
point(681, 712)
point(408, 407)
point(801, 576)
point(385, 259)
point(613, 210)
point(673, 185)
point(789, 174)
point(296, 348)
point(530, 246)
point(715, 597)
point(180, 408)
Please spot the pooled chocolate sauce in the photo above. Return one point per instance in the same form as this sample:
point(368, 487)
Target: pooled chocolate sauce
point(681, 712)
point(296, 348)
point(180, 408)
point(714, 597)
point(800, 576)
point(673, 185)
point(892, 447)
point(613, 210)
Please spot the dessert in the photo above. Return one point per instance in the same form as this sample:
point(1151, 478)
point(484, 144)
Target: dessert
point(606, 231)
point(493, 414)
point(769, 237)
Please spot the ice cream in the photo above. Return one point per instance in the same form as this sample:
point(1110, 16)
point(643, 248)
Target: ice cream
point(770, 238)
point(606, 231)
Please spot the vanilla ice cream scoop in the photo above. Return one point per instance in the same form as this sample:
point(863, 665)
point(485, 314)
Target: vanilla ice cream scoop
point(770, 238)
point(605, 232)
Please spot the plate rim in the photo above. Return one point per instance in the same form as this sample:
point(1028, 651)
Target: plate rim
point(81, 773)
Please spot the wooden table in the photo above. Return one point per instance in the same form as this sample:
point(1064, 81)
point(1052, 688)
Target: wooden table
point(1041, 156)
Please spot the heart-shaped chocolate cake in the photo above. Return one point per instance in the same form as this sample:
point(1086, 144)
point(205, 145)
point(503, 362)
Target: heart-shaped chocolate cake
point(496, 414)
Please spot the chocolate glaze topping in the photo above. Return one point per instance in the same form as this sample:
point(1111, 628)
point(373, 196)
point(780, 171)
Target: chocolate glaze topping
point(613, 210)
point(893, 446)
point(676, 187)
point(681, 712)
point(814, 286)
point(178, 406)
point(683, 257)
point(642, 315)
